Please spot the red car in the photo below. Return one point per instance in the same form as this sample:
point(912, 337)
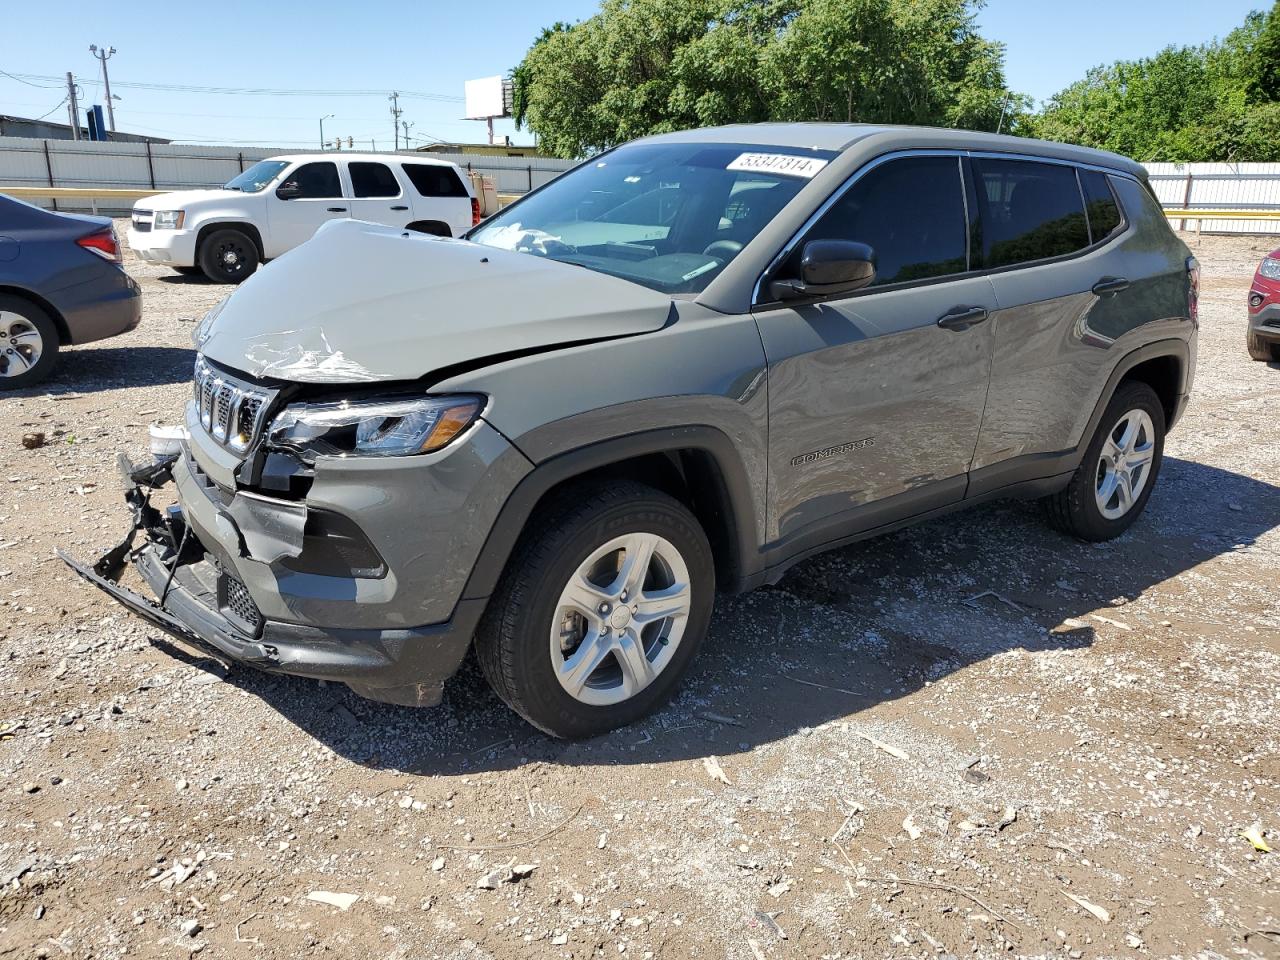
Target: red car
point(1264, 310)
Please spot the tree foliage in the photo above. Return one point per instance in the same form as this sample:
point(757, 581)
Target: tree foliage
point(651, 66)
point(1216, 102)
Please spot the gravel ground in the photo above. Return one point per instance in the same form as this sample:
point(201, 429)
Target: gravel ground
point(1062, 766)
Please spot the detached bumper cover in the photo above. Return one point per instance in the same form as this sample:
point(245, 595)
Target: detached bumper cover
point(405, 666)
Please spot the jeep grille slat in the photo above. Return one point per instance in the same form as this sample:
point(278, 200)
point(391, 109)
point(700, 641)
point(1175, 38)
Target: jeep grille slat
point(231, 410)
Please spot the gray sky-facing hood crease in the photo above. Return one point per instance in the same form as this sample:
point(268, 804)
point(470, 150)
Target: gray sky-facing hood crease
point(363, 303)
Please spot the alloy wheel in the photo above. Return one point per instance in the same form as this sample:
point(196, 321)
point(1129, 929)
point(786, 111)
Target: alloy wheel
point(1124, 466)
point(620, 618)
point(20, 344)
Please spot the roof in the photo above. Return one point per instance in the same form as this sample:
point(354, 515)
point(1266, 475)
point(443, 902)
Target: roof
point(841, 136)
point(353, 155)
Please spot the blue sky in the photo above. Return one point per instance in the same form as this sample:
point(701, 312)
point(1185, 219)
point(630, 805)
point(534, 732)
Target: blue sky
point(431, 48)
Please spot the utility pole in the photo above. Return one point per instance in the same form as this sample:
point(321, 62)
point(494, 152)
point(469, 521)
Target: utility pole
point(395, 116)
point(327, 116)
point(73, 106)
point(104, 54)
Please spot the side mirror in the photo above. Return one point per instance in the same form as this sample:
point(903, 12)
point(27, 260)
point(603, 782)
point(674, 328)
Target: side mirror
point(828, 267)
point(288, 190)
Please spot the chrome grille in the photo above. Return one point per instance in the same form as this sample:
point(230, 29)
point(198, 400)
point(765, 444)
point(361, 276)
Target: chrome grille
point(142, 221)
point(230, 409)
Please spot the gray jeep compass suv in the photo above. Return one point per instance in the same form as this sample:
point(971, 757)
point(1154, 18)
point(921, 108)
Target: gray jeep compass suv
point(678, 369)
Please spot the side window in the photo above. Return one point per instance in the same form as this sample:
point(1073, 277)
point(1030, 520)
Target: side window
point(431, 180)
point(316, 181)
point(1030, 211)
point(373, 180)
point(910, 212)
point(1100, 203)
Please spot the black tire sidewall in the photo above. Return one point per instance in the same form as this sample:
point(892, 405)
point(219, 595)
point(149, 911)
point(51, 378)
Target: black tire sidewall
point(1088, 521)
point(41, 320)
point(210, 265)
point(539, 697)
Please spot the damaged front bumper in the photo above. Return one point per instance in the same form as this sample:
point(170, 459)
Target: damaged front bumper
point(201, 603)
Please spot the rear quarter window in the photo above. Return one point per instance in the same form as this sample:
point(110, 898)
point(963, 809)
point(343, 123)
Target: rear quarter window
point(1029, 211)
point(1105, 219)
point(431, 180)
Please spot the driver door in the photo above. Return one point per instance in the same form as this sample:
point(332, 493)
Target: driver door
point(295, 214)
point(875, 397)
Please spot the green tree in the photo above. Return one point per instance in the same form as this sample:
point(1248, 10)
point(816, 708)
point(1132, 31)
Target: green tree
point(650, 66)
point(1213, 102)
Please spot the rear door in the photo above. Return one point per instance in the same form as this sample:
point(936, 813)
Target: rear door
point(875, 398)
point(1049, 332)
point(377, 195)
point(319, 199)
point(438, 193)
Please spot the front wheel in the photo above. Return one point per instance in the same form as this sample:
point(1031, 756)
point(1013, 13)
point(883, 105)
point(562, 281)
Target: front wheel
point(1111, 486)
point(228, 256)
point(601, 609)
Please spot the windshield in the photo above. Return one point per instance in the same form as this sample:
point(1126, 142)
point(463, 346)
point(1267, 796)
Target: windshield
point(668, 216)
point(256, 177)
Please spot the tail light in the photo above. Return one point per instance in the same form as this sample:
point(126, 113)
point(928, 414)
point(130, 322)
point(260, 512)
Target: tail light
point(475, 211)
point(1193, 289)
point(104, 244)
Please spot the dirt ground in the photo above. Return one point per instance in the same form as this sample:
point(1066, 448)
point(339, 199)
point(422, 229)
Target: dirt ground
point(972, 738)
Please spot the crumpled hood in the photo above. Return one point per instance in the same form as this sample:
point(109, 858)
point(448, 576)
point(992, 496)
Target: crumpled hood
point(181, 199)
point(360, 302)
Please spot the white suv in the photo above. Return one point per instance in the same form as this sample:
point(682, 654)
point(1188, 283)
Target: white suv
point(277, 204)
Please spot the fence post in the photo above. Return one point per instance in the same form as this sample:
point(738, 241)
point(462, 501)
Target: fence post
point(240, 158)
point(530, 169)
point(48, 165)
point(1186, 203)
point(151, 167)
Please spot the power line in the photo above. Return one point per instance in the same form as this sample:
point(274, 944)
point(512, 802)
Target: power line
point(55, 107)
point(250, 91)
point(42, 86)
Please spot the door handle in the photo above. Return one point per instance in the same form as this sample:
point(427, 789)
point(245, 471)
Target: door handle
point(337, 209)
point(962, 318)
point(1110, 285)
point(400, 207)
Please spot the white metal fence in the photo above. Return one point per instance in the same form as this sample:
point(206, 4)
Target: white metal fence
point(1219, 186)
point(84, 163)
point(69, 163)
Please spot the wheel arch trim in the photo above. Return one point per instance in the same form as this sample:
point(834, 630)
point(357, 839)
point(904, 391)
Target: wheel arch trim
point(520, 505)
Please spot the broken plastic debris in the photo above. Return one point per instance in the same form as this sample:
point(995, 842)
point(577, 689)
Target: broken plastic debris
point(1255, 837)
point(714, 770)
point(881, 745)
point(342, 901)
point(1107, 620)
point(1100, 912)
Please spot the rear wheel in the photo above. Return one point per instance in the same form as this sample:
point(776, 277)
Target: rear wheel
point(228, 256)
point(28, 343)
point(1111, 486)
point(601, 610)
point(1260, 349)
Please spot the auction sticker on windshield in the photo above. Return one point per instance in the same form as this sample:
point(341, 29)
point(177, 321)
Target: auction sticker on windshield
point(779, 163)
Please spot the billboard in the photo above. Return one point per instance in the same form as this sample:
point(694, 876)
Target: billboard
point(487, 97)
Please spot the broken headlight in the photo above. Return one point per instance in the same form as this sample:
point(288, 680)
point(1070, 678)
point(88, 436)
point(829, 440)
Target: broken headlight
point(371, 428)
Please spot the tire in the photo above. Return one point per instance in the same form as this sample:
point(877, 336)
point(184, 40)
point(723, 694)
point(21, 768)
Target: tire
point(28, 343)
point(529, 634)
point(228, 256)
point(1079, 509)
point(1260, 349)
